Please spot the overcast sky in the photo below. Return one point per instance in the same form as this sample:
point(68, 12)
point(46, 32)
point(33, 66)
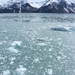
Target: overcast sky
point(35, 0)
point(28, 0)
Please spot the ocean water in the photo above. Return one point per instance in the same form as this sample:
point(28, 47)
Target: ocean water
point(37, 44)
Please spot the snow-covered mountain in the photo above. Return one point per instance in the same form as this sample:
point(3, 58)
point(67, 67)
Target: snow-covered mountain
point(36, 4)
point(16, 6)
point(47, 2)
point(11, 2)
point(47, 6)
point(58, 6)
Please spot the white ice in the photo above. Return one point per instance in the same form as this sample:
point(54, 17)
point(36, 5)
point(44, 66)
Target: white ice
point(6, 72)
point(50, 71)
point(50, 49)
point(12, 49)
point(41, 44)
point(18, 43)
point(36, 60)
point(20, 71)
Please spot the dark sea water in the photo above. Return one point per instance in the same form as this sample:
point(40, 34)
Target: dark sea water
point(37, 44)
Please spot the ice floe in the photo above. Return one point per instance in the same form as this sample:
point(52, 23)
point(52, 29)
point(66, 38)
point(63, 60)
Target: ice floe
point(41, 44)
point(36, 60)
point(12, 49)
point(20, 71)
point(14, 46)
point(16, 43)
point(50, 49)
point(6, 72)
point(50, 71)
point(58, 57)
point(12, 60)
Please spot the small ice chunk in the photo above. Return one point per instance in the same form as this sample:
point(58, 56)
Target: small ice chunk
point(49, 71)
point(50, 49)
point(68, 28)
point(13, 58)
point(41, 44)
point(58, 57)
point(12, 49)
point(36, 60)
point(11, 62)
point(6, 72)
point(18, 43)
point(21, 70)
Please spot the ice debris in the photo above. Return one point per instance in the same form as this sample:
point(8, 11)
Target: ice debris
point(12, 49)
point(36, 60)
point(49, 71)
point(16, 43)
point(41, 44)
point(6, 72)
point(20, 71)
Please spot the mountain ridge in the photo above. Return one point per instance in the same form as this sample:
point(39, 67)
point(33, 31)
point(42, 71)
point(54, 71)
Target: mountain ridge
point(48, 6)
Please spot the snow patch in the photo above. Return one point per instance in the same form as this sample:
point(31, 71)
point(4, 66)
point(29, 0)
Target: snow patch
point(50, 2)
point(35, 5)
